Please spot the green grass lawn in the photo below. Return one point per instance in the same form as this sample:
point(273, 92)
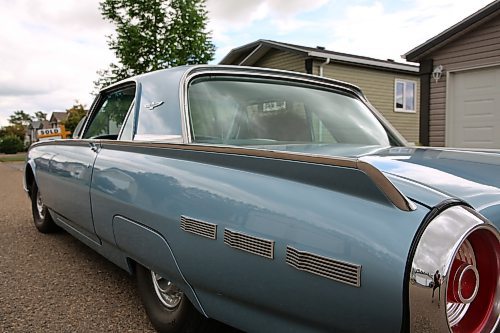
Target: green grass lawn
point(19, 157)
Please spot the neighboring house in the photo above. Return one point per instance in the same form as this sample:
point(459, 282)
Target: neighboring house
point(57, 118)
point(460, 83)
point(31, 131)
point(393, 88)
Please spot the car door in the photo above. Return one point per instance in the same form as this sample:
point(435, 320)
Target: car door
point(72, 165)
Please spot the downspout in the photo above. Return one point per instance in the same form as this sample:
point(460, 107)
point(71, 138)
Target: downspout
point(426, 67)
point(327, 61)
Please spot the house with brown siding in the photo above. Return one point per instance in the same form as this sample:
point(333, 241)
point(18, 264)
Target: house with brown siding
point(392, 87)
point(460, 83)
point(58, 118)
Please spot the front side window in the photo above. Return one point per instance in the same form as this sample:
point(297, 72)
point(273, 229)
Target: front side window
point(111, 113)
point(404, 95)
point(248, 111)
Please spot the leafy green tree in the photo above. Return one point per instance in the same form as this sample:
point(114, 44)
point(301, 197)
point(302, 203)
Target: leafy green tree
point(18, 121)
point(188, 41)
point(40, 116)
point(155, 34)
point(13, 130)
point(75, 114)
point(20, 118)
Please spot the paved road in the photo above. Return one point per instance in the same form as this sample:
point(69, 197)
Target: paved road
point(54, 283)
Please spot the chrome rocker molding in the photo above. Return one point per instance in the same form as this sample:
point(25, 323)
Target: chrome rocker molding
point(200, 228)
point(329, 268)
point(439, 244)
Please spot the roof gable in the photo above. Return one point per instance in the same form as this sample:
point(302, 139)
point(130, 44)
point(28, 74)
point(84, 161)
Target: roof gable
point(58, 117)
point(250, 54)
point(37, 124)
point(468, 24)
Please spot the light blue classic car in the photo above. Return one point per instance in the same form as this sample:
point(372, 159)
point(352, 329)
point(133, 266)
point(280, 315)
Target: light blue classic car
point(275, 202)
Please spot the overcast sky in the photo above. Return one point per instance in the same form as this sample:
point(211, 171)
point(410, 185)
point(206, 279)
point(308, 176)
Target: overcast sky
point(50, 50)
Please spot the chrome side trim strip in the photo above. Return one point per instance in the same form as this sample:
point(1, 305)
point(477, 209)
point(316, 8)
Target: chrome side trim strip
point(255, 245)
point(336, 270)
point(383, 183)
point(200, 228)
point(386, 186)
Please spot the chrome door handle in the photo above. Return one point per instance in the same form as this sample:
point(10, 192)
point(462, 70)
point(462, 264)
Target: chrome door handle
point(94, 147)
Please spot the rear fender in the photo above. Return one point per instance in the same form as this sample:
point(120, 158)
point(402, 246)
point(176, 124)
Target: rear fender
point(151, 250)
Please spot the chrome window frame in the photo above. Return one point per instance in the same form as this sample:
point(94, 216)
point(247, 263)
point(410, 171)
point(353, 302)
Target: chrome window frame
point(132, 112)
point(251, 72)
point(97, 103)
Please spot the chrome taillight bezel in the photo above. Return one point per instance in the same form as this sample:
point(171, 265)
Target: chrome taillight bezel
point(434, 254)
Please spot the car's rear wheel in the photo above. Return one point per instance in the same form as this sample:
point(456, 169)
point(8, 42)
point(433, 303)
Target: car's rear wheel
point(168, 308)
point(41, 216)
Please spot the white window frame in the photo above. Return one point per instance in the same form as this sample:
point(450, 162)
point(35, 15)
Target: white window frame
point(405, 83)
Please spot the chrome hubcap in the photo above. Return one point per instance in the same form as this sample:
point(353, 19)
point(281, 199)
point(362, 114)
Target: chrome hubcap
point(40, 206)
point(168, 294)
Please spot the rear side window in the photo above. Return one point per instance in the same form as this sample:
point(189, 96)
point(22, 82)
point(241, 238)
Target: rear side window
point(258, 111)
point(108, 120)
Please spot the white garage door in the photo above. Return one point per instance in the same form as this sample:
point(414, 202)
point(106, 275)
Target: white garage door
point(473, 113)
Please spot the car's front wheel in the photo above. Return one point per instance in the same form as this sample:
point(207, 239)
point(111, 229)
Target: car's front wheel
point(41, 216)
point(168, 308)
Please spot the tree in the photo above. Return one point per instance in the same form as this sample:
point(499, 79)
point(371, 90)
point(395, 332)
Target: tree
point(20, 118)
point(155, 34)
point(75, 114)
point(40, 116)
point(189, 43)
point(18, 123)
point(13, 130)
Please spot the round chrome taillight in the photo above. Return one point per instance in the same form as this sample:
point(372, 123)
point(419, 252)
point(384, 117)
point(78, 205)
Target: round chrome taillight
point(472, 303)
point(463, 283)
point(454, 279)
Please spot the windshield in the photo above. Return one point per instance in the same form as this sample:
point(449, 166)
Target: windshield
point(247, 111)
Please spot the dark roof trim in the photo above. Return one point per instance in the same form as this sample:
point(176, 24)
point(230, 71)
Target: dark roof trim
point(454, 31)
point(249, 54)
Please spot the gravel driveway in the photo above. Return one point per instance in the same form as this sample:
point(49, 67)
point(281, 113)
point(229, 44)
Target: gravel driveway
point(54, 283)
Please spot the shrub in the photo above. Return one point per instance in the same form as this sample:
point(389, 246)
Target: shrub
point(11, 144)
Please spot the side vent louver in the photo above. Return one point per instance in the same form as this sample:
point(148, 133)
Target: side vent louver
point(204, 229)
point(259, 246)
point(332, 269)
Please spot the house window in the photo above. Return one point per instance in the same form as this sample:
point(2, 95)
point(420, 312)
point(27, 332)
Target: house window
point(404, 95)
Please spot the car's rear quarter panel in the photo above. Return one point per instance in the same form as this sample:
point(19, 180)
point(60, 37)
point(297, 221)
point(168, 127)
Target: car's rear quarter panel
point(331, 211)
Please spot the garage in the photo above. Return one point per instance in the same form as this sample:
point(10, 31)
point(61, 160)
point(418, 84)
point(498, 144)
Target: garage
point(460, 83)
point(473, 110)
